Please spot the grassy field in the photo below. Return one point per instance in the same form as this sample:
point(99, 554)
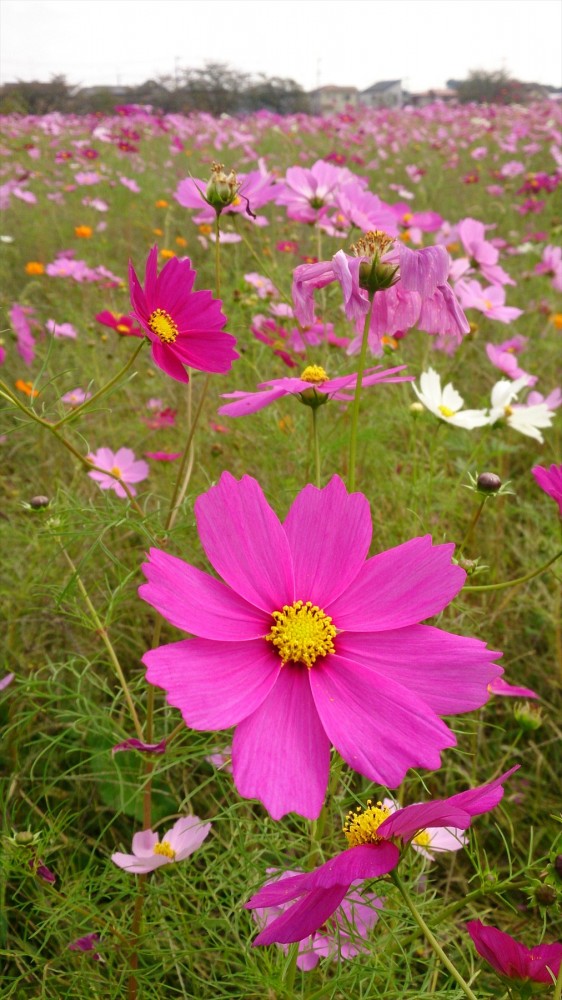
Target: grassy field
point(75, 629)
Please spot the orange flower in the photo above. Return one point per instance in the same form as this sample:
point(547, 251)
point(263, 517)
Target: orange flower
point(205, 229)
point(83, 232)
point(167, 254)
point(161, 203)
point(26, 387)
point(556, 319)
point(181, 241)
point(158, 232)
point(34, 267)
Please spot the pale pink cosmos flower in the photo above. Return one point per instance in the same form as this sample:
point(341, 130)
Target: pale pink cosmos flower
point(309, 193)
point(76, 397)
point(504, 358)
point(123, 464)
point(553, 400)
point(550, 480)
point(551, 264)
point(482, 254)
point(509, 957)
point(490, 300)
point(149, 852)
point(263, 286)
point(299, 657)
point(60, 330)
point(372, 853)
point(23, 318)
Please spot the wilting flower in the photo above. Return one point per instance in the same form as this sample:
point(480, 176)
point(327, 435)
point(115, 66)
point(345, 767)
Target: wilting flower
point(343, 934)
point(446, 403)
point(122, 464)
point(550, 480)
point(184, 327)
point(87, 943)
point(300, 656)
point(371, 853)
point(510, 958)
point(525, 419)
point(149, 852)
point(313, 388)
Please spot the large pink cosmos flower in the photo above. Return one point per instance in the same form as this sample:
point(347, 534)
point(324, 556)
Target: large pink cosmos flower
point(184, 327)
point(371, 855)
point(509, 957)
point(308, 643)
point(550, 480)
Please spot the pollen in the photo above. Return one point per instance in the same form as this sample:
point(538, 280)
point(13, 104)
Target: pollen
point(302, 633)
point(314, 374)
point(423, 839)
point(446, 411)
point(162, 324)
point(372, 244)
point(361, 827)
point(165, 849)
point(508, 411)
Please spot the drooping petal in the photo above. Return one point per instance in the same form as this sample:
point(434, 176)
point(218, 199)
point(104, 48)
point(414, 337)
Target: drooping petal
point(213, 684)
point(197, 603)
point(327, 528)
point(139, 866)
point(245, 542)
point(303, 918)
point(280, 753)
point(379, 728)
point(423, 270)
point(399, 587)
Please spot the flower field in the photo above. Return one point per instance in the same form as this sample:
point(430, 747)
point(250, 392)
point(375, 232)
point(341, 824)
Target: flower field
point(281, 535)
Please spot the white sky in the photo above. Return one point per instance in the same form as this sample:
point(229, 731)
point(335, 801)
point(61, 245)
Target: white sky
point(348, 42)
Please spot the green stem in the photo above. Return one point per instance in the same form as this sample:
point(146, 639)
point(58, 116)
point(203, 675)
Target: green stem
point(181, 479)
point(520, 579)
point(289, 977)
point(471, 527)
point(101, 392)
point(102, 632)
point(132, 985)
point(430, 938)
point(316, 446)
point(217, 256)
point(357, 399)
point(262, 265)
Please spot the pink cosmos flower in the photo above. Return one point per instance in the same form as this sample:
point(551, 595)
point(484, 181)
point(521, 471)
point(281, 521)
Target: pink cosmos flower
point(60, 330)
point(550, 480)
point(308, 193)
point(504, 358)
point(183, 326)
point(509, 957)
point(123, 464)
point(300, 656)
point(355, 913)
point(551, 264)
point(76, 397)
point(482, 254)
point(23, 318)
point(163, 456)
point(123, 325)
point(186, 835)
point(311, 387)
point(553, 400)
point(501, 687)
point(87, 943)
point(490, 301)
point(372, 853)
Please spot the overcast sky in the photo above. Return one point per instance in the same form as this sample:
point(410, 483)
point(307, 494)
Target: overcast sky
point(348, 42)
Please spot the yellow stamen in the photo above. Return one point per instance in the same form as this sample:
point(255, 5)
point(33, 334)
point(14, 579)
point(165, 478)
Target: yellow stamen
point(162, 324)
point(488, 304)
point(508, 411)
point(122, 328)
point(302, 633)
point(116, 471)
point(361, 827)
point(372, 244)
point(445, 411)
point(314, 374)
point(423, 839)
point(165, 849)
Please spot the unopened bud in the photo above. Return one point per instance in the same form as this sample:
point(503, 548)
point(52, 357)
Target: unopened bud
point(528, 716)
point(38, 502)
point(222, 189)
point(545, 895)
point(558, 865)
point(23, 838)
point(488, 482)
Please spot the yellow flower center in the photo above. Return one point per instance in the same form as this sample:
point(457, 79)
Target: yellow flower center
point(423, 839)
point(508, 411)
point(445, 411)
point(488, 304)
point(122, 328)
point(361, 827)
point(162, 324)
point(302, 633)
point(314, 374)
point(116, 471)
point(165, 849)
point(375, 243)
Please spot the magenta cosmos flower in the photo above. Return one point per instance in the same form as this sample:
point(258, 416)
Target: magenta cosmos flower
point(309, 644)
point(371, 854)
point(550, 480)
point(149, 852)
point(122, 464)
point(183, 326)
point(509, 957)
point(313, 388)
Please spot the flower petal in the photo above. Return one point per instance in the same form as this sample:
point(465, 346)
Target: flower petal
point(186, 835)
point(214, 685)
point(303, 918)
point(280, 753)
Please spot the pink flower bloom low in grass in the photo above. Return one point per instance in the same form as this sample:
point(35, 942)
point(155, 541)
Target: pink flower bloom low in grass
point(183, 326)
point(149, 852)
point(504, 358)
point(313, 388)
point(163, 456)
point(308, 643)
point(76, 397)
point(87, 943)
point(123, 464)
point(551, 264)
point(372, 852)
point(510, 958)
point(550, 480)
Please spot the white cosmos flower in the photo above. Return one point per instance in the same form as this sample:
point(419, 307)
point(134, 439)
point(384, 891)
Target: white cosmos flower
point(526, 419)
point(446, 404)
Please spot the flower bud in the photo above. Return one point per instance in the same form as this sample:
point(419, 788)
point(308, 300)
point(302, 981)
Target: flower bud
point(558, 865)
point(545, 895)
point(221, 189)
point(488, 482)
point(38, 502)
point(528, 716)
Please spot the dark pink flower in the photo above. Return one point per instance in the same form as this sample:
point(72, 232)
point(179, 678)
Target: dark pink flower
point(372, 853)
point(87, 943)
point(309, 644)
point(123, 325)
point(134, 744)
point(183, 326)
point(550, 480)
point(163, 456)
point(511, 958)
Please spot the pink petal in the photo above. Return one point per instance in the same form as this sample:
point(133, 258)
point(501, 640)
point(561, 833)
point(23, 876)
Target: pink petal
point(134, 744)
point(280, 753)
point(197, 603)
point(423, 270)
point(143, 843)
point(249, 402)
point(214, 685)
point(302, 919)
point(139, 866)
point(244, 541)
point(401, 586)
point(378, 727)
point(167, 361)
point(186, 835)
point(327, 528)
point(499, 686)
point(450, 673)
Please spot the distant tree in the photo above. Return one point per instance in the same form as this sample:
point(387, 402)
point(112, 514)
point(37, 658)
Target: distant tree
point(484, 87)
point(35, 98)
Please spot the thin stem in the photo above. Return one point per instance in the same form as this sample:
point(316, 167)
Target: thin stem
point(263, 266)
point(217, 256)
point(430, 937)
point(289, 977)
point(558, 988)
point(520, 579)
point(102, 632)
point(181, 480)
point(316, 446)
point(471, 527)
point(104, 389)
point(357, 399)
point(132, 985)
